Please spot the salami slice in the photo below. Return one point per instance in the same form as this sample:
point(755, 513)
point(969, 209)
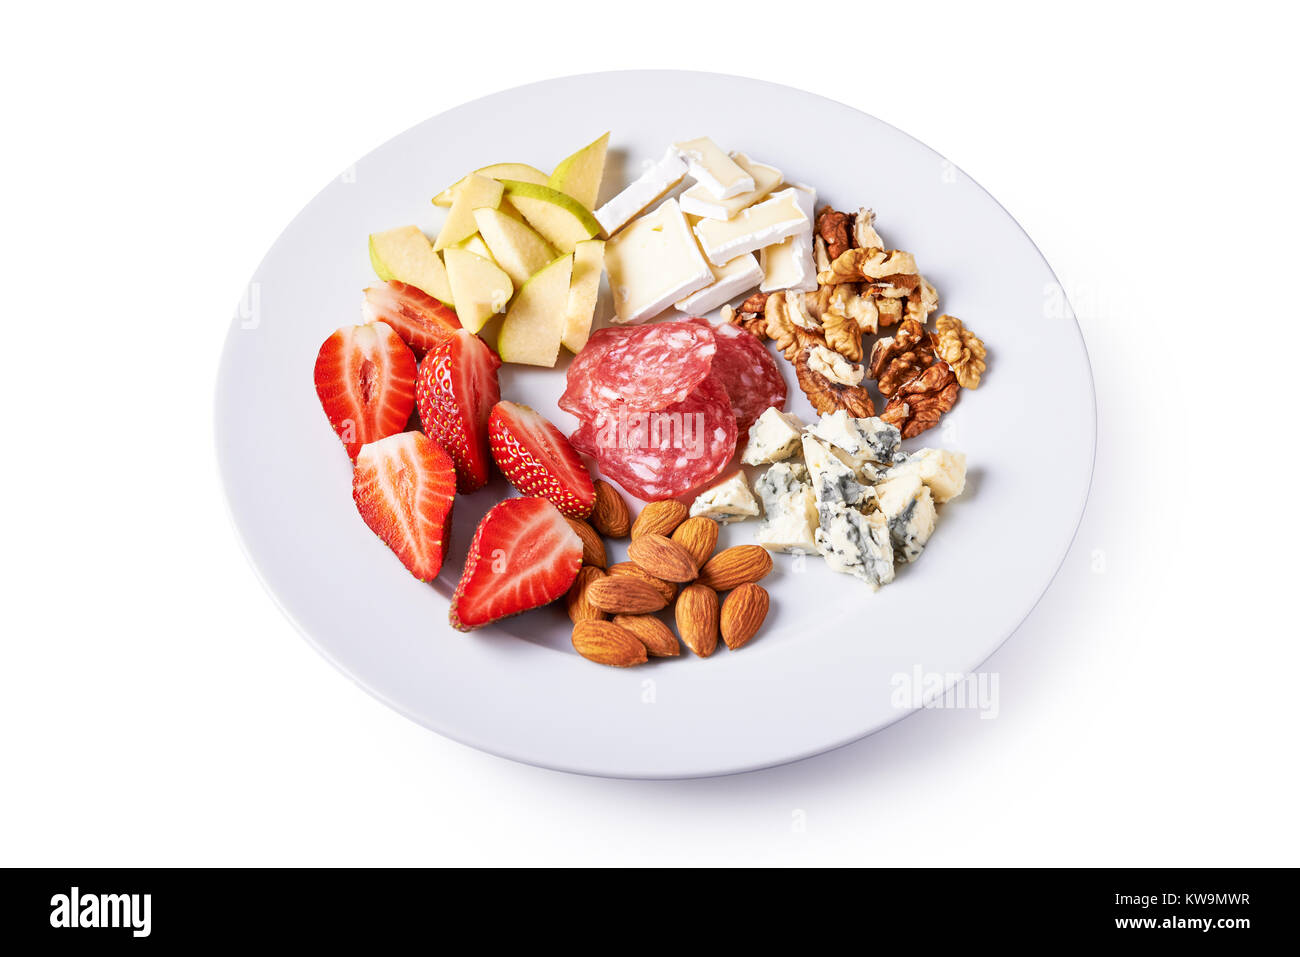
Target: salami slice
point(667, 452)
point(654, 367)
point(584, 437)
point(750, 374)
point(580, 389)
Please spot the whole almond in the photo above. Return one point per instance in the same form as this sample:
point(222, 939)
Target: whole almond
point(606, 643)
point(735, 566)
point(593, 548)
point(667, 589)
point(663, 558)
point(659, 517)
point(743, 612)
point(658, 638)
point(610, 515)
point(625, 595)
point(697, 618)
point(698, 535)
point(576, 601)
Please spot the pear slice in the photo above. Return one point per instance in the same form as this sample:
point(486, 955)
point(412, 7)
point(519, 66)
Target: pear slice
point(579, 175)
point(476, 245)
point(480, 286)
point(557, 216)
point(476, 192)
point(520, 171)
point(516, 248)
point(534, 326)
point(584, 287)
point(404, 254)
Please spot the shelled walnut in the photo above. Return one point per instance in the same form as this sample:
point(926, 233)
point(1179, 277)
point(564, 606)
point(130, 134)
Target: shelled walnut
point(898, 358)
point(961, 349)
point(750, 316)
point(919, 403)
point(829, 379)
point(835, 229)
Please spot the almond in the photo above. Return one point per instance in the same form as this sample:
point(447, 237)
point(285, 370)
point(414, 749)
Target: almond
point(667, 589)
point(658, 638)
point(659, 517)
point(606, 643)
point(610, 515)
point(593, 548)
point(743, 612)
point(735, 566)
point(698, 536)
point(625, 595)
point(663, 558)
point(576, 601)
point(697, 618)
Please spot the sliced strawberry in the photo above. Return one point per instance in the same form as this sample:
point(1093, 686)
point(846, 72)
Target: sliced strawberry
point(456, 389)
point(538, 460)
point(365, 377)
point(418, 318)
point(524, 555)
point(404, 486)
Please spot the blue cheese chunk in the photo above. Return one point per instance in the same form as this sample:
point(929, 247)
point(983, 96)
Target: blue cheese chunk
point(834, 480)
point(782, 479)
point(791, 523)
point(857, 544)
point(773, 437)
point(728, 501)
point(941, 471)
point(870, 440)
point(908, 508)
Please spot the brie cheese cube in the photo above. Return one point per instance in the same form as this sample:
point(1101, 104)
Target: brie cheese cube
point(789, 263)
point(868, 439)
point(857, 544)
point(658, 179)
point(770, 221)
point(942, 472)
point(774, 436)
point(698, 201)
point(652, 263)
point(728, 501)
point(791, 523)
point(713, 169)
point(909, 513)
point(833, 480)
point(729, 281)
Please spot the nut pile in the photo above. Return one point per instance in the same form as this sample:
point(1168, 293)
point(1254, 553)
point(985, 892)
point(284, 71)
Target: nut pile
point(862, 288)
point(671, 561)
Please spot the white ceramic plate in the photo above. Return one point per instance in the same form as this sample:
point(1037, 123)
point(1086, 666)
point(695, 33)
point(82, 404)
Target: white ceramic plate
point(819, 673)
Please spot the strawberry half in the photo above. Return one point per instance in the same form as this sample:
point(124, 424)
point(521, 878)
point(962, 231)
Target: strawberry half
point(365, 378)
point(538, 460)
point(404, 486)
point(418, 318)
point(455, 390)
point(524, 555)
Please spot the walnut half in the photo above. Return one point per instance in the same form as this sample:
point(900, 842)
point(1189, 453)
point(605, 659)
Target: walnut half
point(920, 402)
point(828, 378)
point(896, 359)
point(828, 394)
point(961, 349)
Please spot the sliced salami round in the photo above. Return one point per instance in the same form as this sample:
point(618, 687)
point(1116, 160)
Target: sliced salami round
point(653, 367)
point(580, 389)
point(584, 437)
point(667, 452)
point(750, 374)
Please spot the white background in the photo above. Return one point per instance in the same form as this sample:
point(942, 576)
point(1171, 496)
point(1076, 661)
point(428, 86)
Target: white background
point(155, 708)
